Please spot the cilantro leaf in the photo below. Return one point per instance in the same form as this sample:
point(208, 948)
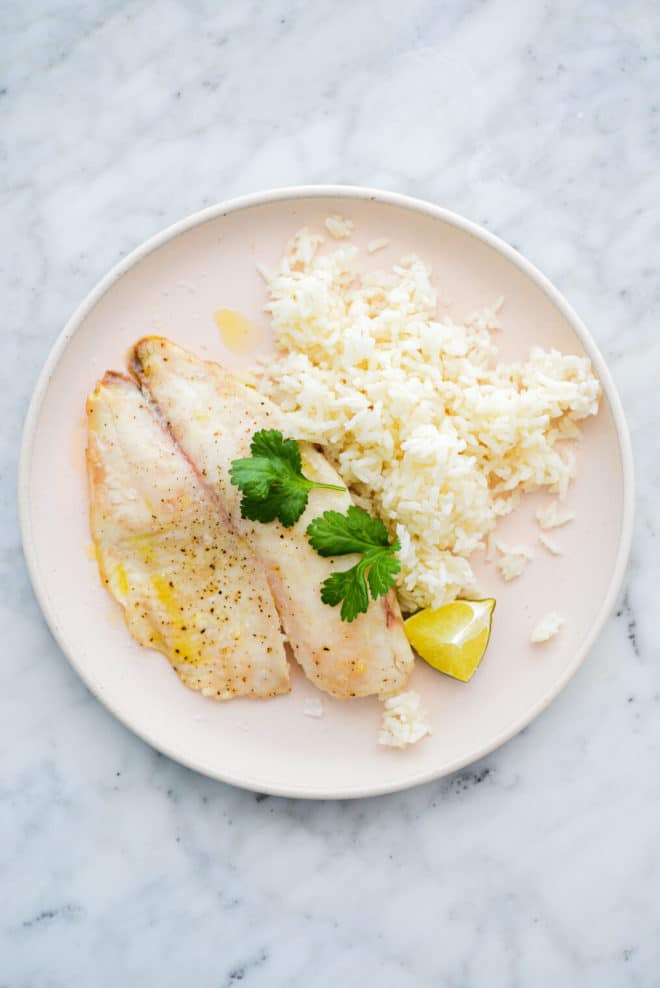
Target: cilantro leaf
point(272, 444)
point(287, 505)
point(348, 588)
point(382, 572)
point(334, 534)
point(254, 476)
point(271, 480)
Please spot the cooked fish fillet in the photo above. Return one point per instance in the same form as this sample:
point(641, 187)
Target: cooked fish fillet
point(190, 587)
point(213, 416)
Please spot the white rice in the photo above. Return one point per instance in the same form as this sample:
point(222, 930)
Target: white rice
point(428, 431)
point(313, 707)
point(338, 226)
point(552, 515)
point(550, 545)
point(378, 244)
point(404, 720)
point(546, 628)
point(513, 560)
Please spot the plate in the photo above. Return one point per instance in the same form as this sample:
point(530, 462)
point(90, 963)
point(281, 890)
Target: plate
point(172, 285)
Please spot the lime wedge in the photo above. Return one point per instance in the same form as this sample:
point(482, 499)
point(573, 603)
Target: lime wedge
point(452, 638)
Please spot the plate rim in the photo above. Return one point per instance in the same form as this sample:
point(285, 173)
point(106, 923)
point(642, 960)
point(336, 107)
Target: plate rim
point(414, 204)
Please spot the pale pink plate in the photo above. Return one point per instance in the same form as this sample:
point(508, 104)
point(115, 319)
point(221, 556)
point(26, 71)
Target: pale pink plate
point(172, 285)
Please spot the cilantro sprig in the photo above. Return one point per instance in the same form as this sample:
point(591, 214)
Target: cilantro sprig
point(271, 480)
point(273, 486)
point(336, 534)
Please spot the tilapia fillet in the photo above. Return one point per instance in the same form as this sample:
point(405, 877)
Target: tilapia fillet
point(189, 586)
point(213, 417)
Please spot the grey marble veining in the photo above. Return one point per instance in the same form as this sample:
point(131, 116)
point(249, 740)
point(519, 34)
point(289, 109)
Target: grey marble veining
point(539, 866)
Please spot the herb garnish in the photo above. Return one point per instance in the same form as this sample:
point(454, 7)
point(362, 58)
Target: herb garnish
point(334, 534)
point(272, 481)
point(274, 486)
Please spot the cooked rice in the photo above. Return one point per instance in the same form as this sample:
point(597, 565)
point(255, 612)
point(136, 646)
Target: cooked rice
point(428, 431)
point(550, 545)
point(378, 244)
point(552, 515)
point(404, 720)
point(513, 561)
point(338, 226)
point(312, 707)
point(546, 628)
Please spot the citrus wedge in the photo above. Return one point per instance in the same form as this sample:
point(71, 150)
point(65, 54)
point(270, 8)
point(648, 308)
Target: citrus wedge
point(452, 638)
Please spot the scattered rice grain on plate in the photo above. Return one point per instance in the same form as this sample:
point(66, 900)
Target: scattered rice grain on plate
point(379, 243)
point(338, 226)
point(491, 548)
point(513, 560)
point(312, 707)
point(265, 272)
point(426, 428)
point(404, 720)
point(550, 545)
point(553, 516)
point(546, 628)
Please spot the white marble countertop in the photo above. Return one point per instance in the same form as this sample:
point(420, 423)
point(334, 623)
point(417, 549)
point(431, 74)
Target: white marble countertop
point(538, 866)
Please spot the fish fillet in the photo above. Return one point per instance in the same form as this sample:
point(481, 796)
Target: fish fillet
point(189, 586)
point(213, 417)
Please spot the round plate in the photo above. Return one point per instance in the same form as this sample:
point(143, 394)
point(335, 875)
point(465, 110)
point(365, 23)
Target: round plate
point(172, 285)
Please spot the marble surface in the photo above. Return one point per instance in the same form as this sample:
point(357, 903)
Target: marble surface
point(539, 866)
